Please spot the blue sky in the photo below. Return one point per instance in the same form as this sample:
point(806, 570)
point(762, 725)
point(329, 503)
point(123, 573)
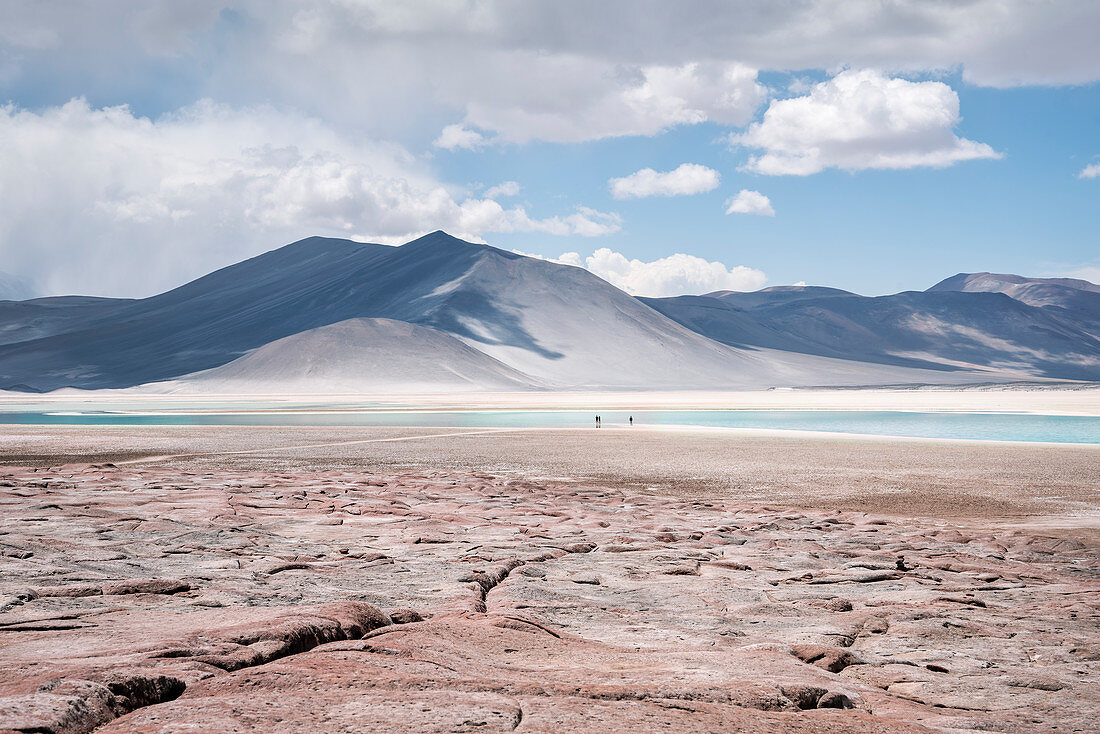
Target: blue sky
point(873, 232)
point(885, 148)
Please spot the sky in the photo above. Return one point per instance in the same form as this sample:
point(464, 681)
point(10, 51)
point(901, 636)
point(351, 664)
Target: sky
point(871, 145)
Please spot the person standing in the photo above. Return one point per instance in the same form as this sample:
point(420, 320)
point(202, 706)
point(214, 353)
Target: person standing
point(631, 420)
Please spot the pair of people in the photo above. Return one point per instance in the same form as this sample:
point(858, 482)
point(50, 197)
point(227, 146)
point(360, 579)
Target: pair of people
point(631, 419)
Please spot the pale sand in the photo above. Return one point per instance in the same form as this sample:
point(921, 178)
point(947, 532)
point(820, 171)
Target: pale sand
point(1082, 399)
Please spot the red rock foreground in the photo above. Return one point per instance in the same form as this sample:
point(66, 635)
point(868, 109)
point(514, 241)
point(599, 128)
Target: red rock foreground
point(163, 600)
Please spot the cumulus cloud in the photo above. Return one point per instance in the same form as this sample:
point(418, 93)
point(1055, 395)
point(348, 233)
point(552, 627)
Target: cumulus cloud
point(503, 189)
point(688, 178)
point(100, 200)
point(588, 222)
point(748, 201)
point(671, 276)
point(1090, 171)
point(572, 99)
point(454, 137)
point(475, 216)
point(861, 119)
point(675, 275)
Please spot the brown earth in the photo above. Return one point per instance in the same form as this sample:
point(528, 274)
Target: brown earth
point(337, 588)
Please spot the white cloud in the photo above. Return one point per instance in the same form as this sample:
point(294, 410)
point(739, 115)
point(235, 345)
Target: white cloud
point(688, 178)
point(1090, 171)
point(567, 258)
point(475, 216)
point(800, 85)
point(675, 275)
point(505, 188)
point(588, 222)
point(860, 120)
point(671, 276)
point(534, 70)
point(454, 137)
point(571, 98)
point(104, 201)
point(748, 201)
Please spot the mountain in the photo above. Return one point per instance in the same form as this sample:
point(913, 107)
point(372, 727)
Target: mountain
point(366, 317)
point(362, 355)
point(1068, 298)
point(22, 321)
point(561, 326)
point(1028, 290)
point(942, 328)
point(776, 295)
point(558, 324)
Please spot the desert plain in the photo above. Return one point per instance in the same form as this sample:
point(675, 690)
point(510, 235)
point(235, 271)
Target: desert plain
point(293, 579)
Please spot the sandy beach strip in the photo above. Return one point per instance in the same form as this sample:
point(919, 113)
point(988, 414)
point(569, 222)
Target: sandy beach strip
point(1079, 399)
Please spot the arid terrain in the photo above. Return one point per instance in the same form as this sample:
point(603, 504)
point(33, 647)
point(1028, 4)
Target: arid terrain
point(481, 366)
point(276, 580)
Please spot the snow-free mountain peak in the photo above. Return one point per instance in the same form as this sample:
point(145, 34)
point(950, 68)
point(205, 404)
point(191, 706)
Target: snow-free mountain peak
point(558, 325)
point(1006, 283)
point(776, 294)
point(1029, 326)
point(438, 301)
point(1076, 298)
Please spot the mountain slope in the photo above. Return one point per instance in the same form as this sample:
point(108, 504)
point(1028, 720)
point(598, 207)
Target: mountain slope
point(1067, 298)
point(200, 325)
point(361, 356)
point(777, 294)
point(22, 321)
point(552, 325)
point(561, 324)
point(941, 329)
point(1016, 286)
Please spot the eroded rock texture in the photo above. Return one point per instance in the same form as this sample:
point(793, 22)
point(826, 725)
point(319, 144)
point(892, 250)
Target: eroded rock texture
point(164, 600)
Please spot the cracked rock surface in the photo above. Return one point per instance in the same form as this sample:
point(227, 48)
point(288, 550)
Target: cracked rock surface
point(160, 599)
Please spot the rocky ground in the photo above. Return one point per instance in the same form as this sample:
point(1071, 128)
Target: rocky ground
point(160, 598)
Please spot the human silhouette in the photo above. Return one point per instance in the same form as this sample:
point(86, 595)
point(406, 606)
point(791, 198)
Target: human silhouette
point(631, 420)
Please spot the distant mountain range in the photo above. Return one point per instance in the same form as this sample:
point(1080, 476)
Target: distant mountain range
point(982, 321)
point(441, 314)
